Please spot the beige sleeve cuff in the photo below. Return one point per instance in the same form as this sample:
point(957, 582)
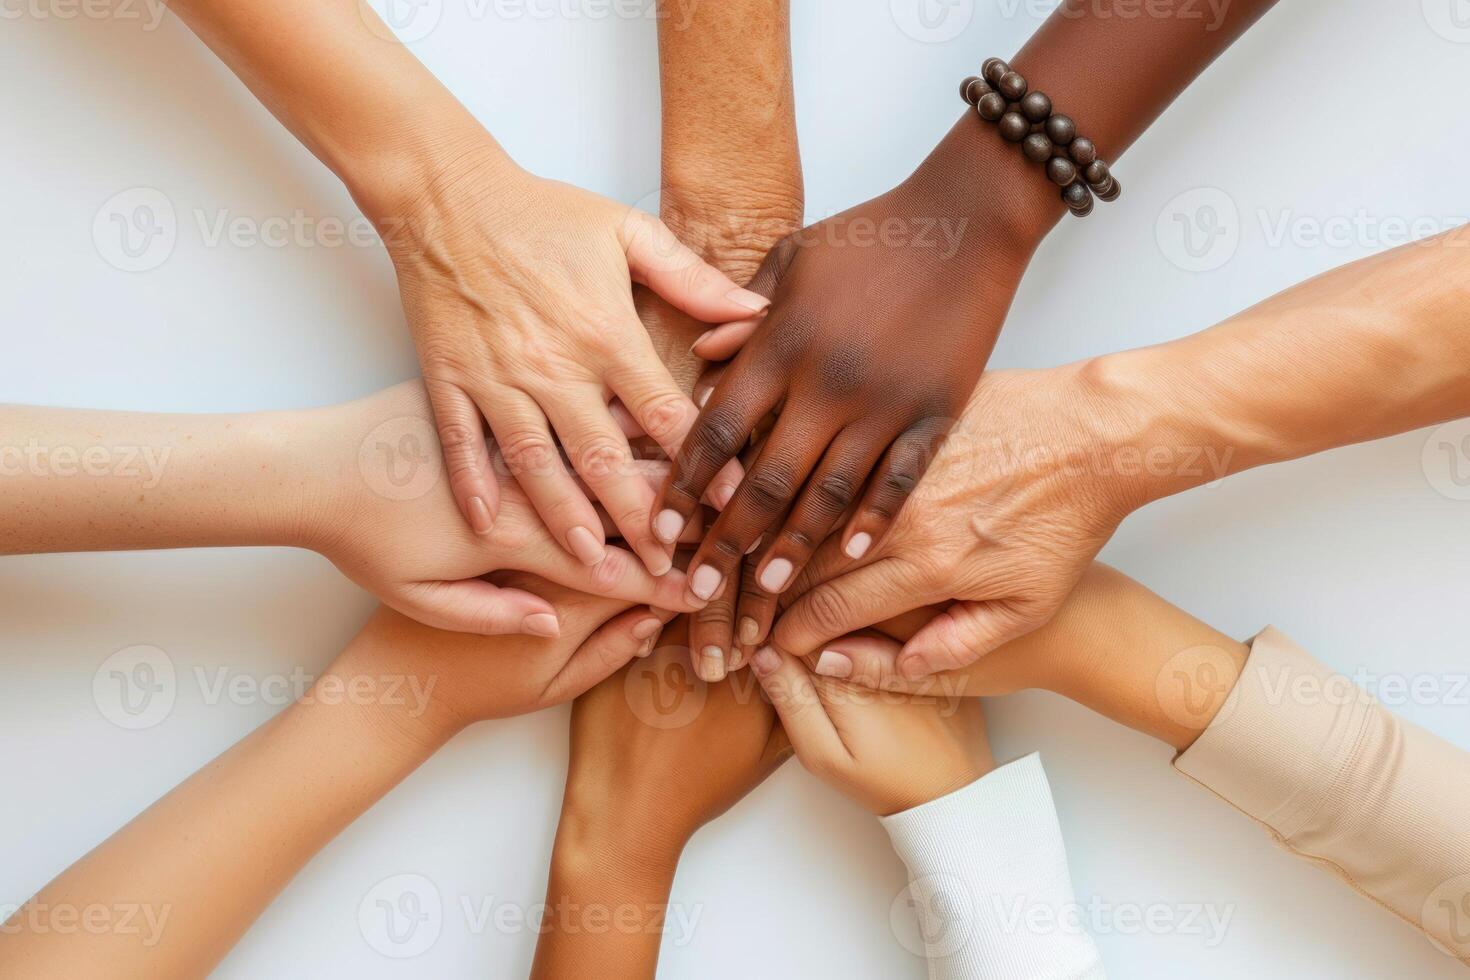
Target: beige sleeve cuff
point(1341, 782)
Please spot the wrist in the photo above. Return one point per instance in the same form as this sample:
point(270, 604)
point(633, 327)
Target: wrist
point(731, 221)
point(402, 700)
point(598, 847)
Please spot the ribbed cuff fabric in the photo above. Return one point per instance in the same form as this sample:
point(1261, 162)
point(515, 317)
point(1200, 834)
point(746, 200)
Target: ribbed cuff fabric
point(989, 879)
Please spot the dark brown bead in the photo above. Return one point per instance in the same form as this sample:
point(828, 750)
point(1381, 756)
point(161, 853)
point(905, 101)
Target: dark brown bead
point(965, 88)
point(978, 89)
point(1061, 171)
point(1083, 151)
point(1036, 106)
point(1110, 190)
point(1078, 199)
point(1037, 147)
point(1097, 171)
point(1013, 127)
point(1061, 129)
point(991, 106)
point(993, 69)
point(1012, 86)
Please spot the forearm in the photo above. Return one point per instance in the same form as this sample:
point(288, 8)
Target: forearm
point(607, 901)
point(1368, 350)
point(360, 101)
point(201, 864)
point(76, 480)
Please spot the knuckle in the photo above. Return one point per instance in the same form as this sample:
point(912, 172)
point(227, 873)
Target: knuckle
point(827, 608)
point(718, 435)
point(769, 490)
point(835, 491)
point(602, 458)
point(608, 574)
point(528, 453)
point(461, 448)
point(662, 415)
point(715, 614)
point(441, 358)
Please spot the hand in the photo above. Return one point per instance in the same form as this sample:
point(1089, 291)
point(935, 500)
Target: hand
point(471, 678)
point(888, 753)
point(880, 329)
point(518, 291)
point(1022, 496)
point(378, 506)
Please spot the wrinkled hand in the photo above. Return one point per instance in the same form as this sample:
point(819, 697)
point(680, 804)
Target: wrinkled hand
point(379, 506)
point(882, 323)
point(518, 291)
point(1019, 500)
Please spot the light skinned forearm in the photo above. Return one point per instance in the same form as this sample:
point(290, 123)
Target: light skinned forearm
point(1368, 350)
point(203, 862)
point(332, 73)
point(79, 480)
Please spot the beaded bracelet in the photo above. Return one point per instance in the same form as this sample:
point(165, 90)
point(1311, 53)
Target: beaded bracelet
point(1000, 95)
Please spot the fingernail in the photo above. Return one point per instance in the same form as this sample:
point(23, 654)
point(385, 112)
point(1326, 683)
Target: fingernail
point(775, 575)
point(720, 496)
point(859, 545)
point(765, 661)
point(480, 518)
point(668, 525)
point(834, 664)
point(657, 563)
point(704, 396)
point(705, 581)
point(541, 624)
point(755, 545)
point(750, 631)
point(754, 302)
point(714, 664)
point(646, 648)
point(737, 660)
point(913, 667)
point(584, 544)
point(645, 628)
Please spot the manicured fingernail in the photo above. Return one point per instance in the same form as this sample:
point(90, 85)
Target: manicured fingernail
point(654, 559)
point(913, 667)
point(750, 631)
point(668, 525)
point(737, 660)
point(704, 396)
point(754, 302)
point(705, 581)
point(859, 545)
point(754, 545)
point(765, 661)
point(480, 518)
point(776, 575)
point(834, 664)
point(585, 546)
point(720, 495)
point(646, 648)
point(645, 628)
point(541, 624)
point(714, 664)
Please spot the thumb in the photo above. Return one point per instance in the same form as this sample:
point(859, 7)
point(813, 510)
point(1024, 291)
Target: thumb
point(962, 634)
point(477, 606)
point(658, 260)
point(627, 635)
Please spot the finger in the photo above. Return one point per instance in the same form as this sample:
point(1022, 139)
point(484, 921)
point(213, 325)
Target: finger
point(725, 340)
point(846, 604)
point(760, 503)
point(619, 575)
point(755, 610)
point(601, 456)
point(717, 437)
point(792, 693)
point(477, 606)
point(890, 487)
point(466, 456)
point(624, 418)
point(964, 633)
point(827, 496)
point(658, 260)
point(531, 456)
point(625, 636)
point(868, 659)
point(692, 534)
point(711, 645)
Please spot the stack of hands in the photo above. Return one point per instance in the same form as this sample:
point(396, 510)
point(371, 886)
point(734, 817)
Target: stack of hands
point(647, 453)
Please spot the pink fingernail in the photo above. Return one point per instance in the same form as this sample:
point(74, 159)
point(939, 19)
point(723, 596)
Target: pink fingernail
point(584, 544)
point(765, 661)
point(705, 581)
point(737, 660)
point(714, 665)
point(754, 302)
point(776, 575)
point(755, 545)
point(720, 496)
point(541, 624)
point(750, 630)
point(834, 664)
point(668, 525)
point(859, 545)
point(704, 396)
point(480, 519)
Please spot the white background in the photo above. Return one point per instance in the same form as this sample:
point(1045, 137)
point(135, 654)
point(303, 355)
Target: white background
point(1346, 116)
